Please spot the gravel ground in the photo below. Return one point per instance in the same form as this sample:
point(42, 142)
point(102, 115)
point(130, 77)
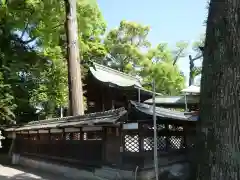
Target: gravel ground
point(19, 173)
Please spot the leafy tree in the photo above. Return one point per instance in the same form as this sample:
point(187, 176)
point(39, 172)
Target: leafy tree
point(218, 137)
point(6, 104)
point(180, 51)
point(125, 45)
point(31, 30)
point(159, 64)
point(51, 91)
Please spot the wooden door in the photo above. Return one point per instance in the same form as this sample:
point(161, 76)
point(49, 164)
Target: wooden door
point(112, 146)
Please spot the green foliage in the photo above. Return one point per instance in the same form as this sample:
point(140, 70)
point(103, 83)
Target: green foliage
point(180, 51)
point(33, 55)
point(6, 104)
point(51, 91)
point(125, 45)
point(159, 65)
point(33, 51)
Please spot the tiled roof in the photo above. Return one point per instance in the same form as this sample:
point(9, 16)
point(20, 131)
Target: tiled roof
point(111, 116)
point(112, 76)
point(163, 112)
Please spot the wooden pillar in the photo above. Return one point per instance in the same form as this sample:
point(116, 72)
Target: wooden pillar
point(29, 141)
point(104, 140)
point(63, 134)
point(38, 135)
point(49, 135)
point(121, 145)
point(49, 149)
point(113, 97)
point(81, 133)
point(38, 145)
point(167, 136)
point(103, 98)
point(185, 134)
point(140, 138)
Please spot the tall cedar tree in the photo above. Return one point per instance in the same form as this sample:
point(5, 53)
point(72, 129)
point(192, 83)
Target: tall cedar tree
point(220, 100)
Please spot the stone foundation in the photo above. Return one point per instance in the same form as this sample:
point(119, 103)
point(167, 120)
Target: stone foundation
point(103, 173)
point(177, 171)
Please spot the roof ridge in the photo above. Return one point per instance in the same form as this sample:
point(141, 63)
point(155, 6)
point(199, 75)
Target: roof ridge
point(116, 71)
point(68, 118)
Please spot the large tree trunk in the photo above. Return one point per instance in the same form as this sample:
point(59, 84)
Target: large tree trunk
point(76, 106)
point(220, 94)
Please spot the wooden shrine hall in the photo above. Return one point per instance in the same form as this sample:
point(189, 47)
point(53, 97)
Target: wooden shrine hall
point(116, 132)
point(107, 89)
point(116, 138)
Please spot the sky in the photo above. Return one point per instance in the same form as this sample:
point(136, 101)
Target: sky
point(170, 20)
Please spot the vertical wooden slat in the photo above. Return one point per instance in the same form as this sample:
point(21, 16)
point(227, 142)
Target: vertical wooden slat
point(81, 133)
point(63, 134)
point(167, 136)
point(121, 146)
point(104, 135)
point(103, 97)
point(140, 138)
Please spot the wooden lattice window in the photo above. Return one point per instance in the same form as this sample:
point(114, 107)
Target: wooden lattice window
point(131, 143)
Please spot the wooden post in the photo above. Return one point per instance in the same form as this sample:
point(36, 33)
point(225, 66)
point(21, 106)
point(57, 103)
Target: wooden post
point(76, 106)
point(104, 138)
point(113, 97)
point(81, 133)
point(103, 98)
point(63, 134)
point(140, 138)
point(167, 136)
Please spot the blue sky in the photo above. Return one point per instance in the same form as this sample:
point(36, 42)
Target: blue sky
point(170, 20)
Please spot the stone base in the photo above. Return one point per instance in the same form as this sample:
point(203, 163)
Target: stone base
point(103, 173)
point(176, 171)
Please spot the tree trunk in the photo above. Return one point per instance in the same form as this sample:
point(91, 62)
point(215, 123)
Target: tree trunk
point(191, 76)
point(220, 89)
point(76, 106)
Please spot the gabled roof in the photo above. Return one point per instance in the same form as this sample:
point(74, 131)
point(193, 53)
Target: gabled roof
point(111, 116)
point(109, 75)
point(163, 112)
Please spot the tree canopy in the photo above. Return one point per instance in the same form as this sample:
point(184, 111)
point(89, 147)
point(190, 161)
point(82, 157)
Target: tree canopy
point(129, 48)
point(33, 51)
point(33, 55)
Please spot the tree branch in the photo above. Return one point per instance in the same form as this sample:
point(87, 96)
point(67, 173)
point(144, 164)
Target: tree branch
point(24, 31)
point(58, 26)
point(197, 57)
point(177, 56)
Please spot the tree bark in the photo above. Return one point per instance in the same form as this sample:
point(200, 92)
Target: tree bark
point(76, 106)
point(191, 77)
point(219, 128)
